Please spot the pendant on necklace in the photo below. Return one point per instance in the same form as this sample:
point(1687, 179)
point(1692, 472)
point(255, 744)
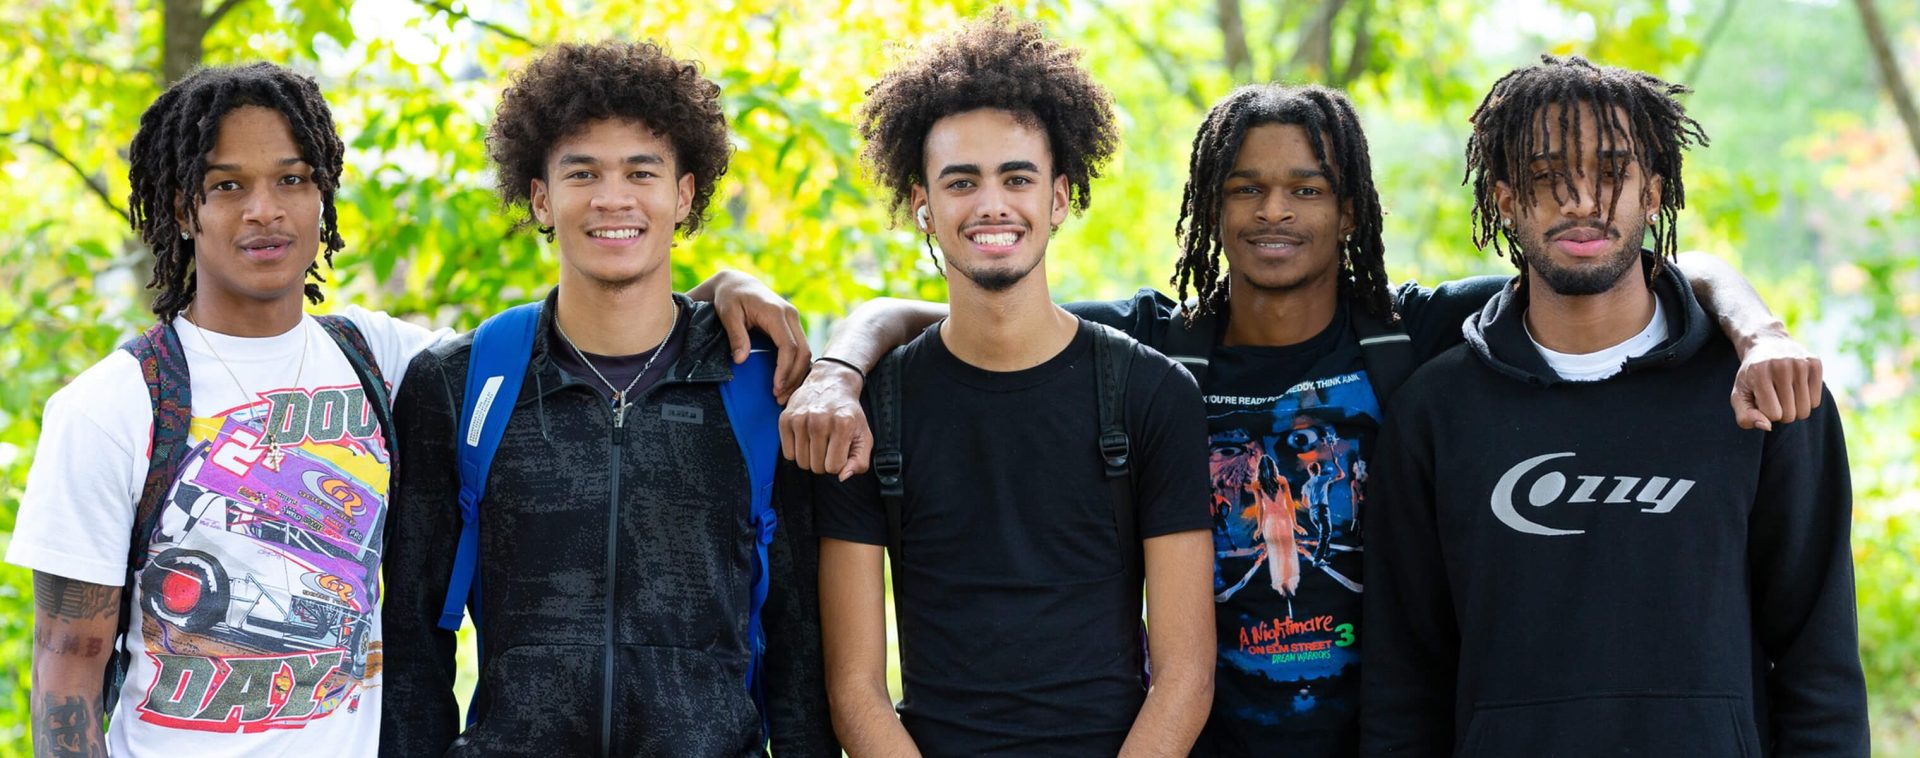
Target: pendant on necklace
point(274, 456)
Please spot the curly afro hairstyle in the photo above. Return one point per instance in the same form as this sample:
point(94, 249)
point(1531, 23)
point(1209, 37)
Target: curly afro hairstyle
point(990, 62)
point(570, 86)
point(167, 163)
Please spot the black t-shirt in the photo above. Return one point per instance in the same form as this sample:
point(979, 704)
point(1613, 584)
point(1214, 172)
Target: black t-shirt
point(620, 369)
point(1290, 432)
point(1019, 626)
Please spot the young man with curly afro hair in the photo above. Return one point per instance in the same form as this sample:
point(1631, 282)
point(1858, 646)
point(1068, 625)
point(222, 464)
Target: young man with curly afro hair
point(1610, 564)
point(1290, 322)
point(1021, 523)
point(619, 549)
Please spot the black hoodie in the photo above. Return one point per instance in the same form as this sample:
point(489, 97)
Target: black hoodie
point(1606, 568)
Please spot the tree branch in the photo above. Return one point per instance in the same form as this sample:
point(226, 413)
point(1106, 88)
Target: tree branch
point(221, 10)
point(1890, 71)
point(1155, 56)
point(99, 190)
point(1233, 33)
point(443, 7)
point(1706, 43)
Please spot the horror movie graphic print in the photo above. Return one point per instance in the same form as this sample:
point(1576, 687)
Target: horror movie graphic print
point(1288, 475)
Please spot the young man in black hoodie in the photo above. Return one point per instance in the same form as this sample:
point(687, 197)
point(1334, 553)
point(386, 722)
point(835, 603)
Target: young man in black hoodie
point(1280, 239)
point(616, 548)
point(1578, 550)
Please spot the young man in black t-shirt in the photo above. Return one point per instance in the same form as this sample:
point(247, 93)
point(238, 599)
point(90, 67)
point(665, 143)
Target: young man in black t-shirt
point(1281, 188)
point(1016, 584)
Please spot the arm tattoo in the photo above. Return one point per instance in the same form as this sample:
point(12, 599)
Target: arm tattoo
point(72, 598)
point(68, 726)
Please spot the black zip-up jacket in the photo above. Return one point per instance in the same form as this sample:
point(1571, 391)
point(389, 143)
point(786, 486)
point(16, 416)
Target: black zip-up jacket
point(1606, 568)
point(615, 570)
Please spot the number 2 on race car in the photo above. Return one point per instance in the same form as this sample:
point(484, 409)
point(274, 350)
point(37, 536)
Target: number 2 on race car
point(238, 454)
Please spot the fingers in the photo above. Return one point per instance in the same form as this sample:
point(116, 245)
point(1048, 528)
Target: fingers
point(789, 435)
point(1747, 416)
point(834, 457)
point(795, 356)
point(859, 456)
point(1812, 380)
point(734, 319)
point(1765, 397)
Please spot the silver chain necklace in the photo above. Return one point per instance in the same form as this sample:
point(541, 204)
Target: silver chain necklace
point(274, 454)
point(620, 403)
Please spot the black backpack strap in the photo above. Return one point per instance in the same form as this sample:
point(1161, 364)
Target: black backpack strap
point(888, 465)
point(365, 366)
point(163, 365)
point(1112, 360)
point(1190, 343)
point(1387, 351)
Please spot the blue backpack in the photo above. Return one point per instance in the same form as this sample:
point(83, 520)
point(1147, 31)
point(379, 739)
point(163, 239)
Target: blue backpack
point(502, 348)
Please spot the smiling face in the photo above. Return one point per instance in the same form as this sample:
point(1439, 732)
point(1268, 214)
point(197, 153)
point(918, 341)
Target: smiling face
point(1575, 238)
point(1280, 221)
point(259, 224)
point(992, 199)
point(612, 196)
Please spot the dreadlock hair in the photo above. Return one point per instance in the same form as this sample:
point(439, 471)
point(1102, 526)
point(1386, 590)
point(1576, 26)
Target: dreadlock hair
point(1511, 126)
point(997, 62)
point(570, 86)
point(168, 164)
point(1339, 145)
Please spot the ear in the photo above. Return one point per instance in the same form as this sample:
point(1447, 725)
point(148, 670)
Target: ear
point(915, 202)
point(180, 212)
point(1062, 201)
point(537, 202)
point(1654, 185)
point(1347, 221)
point(684, 206)
point(1505, 200)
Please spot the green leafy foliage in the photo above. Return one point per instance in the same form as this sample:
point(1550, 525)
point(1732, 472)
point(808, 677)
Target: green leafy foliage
point(1809, 186)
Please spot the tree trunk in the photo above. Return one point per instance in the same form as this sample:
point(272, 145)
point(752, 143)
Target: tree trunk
point(1233, 33)
point(183, 28)
point(1890, 71)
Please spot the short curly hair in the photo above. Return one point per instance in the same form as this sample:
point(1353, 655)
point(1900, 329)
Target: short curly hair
point(570, 86)
point(993, 61)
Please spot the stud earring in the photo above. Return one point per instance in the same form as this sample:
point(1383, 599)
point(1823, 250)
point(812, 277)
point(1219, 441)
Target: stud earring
point(185, 236)
point(1653, 218)
point(1506, 222)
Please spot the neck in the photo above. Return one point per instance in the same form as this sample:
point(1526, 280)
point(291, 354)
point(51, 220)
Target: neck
point(242, 317)
point(626, 321)
point(1579, 324)
point(1015, 329)
point(1278, 318)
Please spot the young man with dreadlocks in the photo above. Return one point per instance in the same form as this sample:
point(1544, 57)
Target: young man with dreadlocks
point(229, 524)
point(1577, 552)
point(640, 594)
point(1042, 474)
point(1280, 188)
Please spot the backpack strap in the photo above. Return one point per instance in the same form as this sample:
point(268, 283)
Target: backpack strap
point(1190, 343)
point(366, 367)
point(163, 365)
point(496, 367)
point(1387, 352)
point(888, 466)
point(1112, 360)
point(755, 417)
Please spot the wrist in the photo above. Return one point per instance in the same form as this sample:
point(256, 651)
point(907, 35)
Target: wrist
point(1769, 331)
point(841, 370)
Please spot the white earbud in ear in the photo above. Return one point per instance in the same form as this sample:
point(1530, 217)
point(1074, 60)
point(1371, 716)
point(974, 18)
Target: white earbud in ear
point(920, 216)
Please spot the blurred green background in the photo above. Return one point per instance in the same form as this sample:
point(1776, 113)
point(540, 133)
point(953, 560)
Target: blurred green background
point(1809, 185)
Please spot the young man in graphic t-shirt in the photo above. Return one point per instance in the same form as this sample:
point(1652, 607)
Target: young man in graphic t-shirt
point(1018, 576)
point(1292, 406)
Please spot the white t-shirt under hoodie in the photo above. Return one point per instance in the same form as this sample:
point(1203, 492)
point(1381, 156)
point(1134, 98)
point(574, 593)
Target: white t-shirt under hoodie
point(254, 626)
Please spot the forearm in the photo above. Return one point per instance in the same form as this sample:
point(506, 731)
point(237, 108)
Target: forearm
point(1175, 710)
point(74, 626)
point(877, 327)
point(1731, 299)
point(864, 720)
point(1179, 570)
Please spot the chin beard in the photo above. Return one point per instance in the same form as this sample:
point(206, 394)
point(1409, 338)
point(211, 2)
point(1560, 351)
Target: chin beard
point(1585, 281)
point(997, 279)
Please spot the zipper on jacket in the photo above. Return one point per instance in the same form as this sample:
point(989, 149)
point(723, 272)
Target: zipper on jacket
point(615, 448)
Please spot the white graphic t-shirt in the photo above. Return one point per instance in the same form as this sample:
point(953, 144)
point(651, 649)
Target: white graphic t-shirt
point(254, 625)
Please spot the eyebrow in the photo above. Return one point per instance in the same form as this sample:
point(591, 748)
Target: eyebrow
point(234, 168)
point(974, 168)
point(1616, 154)
point(647, 159)
point(1292, 173)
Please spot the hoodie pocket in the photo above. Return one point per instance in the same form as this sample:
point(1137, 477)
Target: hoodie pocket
point(1640, 724)
point(671, 701)
point(542, 700)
